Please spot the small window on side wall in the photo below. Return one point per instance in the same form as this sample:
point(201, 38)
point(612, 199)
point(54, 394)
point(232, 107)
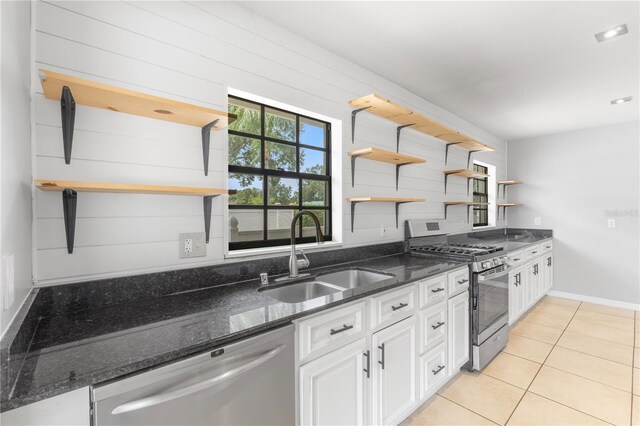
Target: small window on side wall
point(279, 163)
point(481, 195)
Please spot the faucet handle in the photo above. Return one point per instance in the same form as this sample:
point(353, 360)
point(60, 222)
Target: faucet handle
point(304, 262)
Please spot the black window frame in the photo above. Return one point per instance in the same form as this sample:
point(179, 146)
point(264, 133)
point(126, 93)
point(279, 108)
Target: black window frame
point(478, 195)
point(266, 173)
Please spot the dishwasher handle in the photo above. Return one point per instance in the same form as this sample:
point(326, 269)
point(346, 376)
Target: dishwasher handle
point(197, 387)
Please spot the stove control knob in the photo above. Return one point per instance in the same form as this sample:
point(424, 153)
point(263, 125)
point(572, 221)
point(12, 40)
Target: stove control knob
point(485, 264)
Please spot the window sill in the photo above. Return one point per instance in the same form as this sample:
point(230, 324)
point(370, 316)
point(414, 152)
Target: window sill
point(264, 251)
point(484, 227)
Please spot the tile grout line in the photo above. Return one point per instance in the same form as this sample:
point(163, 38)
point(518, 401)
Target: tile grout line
point(542, 365)
point(633, 362)
point(466, 408)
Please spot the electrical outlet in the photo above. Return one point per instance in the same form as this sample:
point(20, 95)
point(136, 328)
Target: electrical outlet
point(383, 231)
point(537, 221)
point(8, 284)
point(611, 223)
point(192, 245)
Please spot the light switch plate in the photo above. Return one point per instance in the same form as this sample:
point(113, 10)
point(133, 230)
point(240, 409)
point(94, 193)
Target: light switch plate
point(537, 221)
point(192, 245)
point(611, 223)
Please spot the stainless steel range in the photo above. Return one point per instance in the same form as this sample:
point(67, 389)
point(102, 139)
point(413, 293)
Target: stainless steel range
point(489, 290)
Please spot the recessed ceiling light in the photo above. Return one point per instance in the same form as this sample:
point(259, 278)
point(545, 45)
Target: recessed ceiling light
point(621, 100)
point(611, 33)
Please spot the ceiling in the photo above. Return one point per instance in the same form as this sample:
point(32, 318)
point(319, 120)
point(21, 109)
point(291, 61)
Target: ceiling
point(516, 69)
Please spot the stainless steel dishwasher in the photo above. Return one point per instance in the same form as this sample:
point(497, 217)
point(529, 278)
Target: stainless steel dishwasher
point(250, 382)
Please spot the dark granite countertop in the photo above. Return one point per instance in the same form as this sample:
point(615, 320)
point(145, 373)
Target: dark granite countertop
point(85, 347)
point(510, 239)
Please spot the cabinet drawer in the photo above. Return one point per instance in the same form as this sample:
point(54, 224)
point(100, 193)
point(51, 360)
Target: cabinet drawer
point(546, 246)
point(458, 281)
point(433, 326)
point(531, 252)
point(433, 290)
point(394, 305)
point(331, 329)
point(433, 371)
point(515, 257)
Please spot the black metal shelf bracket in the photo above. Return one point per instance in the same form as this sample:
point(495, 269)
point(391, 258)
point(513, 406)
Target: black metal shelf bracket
point(504, 212)
point(68, 111)
point(69, 204)
point(446, 151)
point(469, 156)
point(397, 210)
point(468, 182)
point(468, 211)
point(398, 134)
point(353, 121)
point(206, 142)
point(353, 168)
point(206, 201)
point(504, 190)
point(398, 172)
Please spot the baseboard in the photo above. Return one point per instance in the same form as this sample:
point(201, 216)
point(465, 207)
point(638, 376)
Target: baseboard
point(598, 300)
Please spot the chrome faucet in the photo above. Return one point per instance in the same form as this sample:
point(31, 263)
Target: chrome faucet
point(294, 263)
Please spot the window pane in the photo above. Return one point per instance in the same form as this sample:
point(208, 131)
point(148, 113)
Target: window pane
point(246, 225)
point(279, 224)
point(309, 228)
point(280, 125)
point(244, 151)
point(282, 191)
point(314, 192)
point(313, 161)
point(279, 156)
point(248, 113)
point(248, 189)
point(312, 132)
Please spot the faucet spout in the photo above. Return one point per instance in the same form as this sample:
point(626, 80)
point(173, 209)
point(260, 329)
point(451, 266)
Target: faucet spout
point(294, 263)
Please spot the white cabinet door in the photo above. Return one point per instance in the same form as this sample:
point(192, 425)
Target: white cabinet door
point(547, 266)
point(332, 387)
point(458, 331)
point(394, 372)
point(529, 284)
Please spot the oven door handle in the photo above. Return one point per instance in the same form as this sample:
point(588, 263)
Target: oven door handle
point(493, 275)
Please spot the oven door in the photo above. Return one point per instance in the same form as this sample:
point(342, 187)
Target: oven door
point(490, 301)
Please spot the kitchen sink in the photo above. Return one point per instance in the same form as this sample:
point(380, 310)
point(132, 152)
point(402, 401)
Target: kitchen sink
point(352, 278)
point(300, 292)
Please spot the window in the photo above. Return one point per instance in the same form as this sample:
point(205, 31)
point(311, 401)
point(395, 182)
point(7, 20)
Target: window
point(481, 195)
point(279, 163)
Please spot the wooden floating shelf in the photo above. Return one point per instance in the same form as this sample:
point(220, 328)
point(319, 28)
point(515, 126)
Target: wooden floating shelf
point(396, 200)
point(405, 117)
point(504, 208)
point(506, 183)
point(71, 90)
point(70, 191)
point(466, 173)
point(469, 204)
point(384, 156)
point(61, 185)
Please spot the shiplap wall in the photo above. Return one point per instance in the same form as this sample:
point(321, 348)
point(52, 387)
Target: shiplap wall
point(193, 52)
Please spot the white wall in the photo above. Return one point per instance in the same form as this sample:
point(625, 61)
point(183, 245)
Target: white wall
point(193, 52)
point(575, 182)
point(15, 211)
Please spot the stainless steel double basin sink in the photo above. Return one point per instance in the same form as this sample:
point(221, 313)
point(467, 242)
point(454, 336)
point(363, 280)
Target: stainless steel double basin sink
point(324, 285)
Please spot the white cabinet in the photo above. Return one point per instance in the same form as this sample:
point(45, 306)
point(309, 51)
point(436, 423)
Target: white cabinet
point(516, 294)
point(433, 371)
point(433, 290)
point(433, 326)
point(458, 281)
point(392, 306)
point(333, 387)
point(547, 275)
point(394, 372)
point(458, 330)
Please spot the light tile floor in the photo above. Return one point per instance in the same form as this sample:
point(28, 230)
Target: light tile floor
point(567, 363)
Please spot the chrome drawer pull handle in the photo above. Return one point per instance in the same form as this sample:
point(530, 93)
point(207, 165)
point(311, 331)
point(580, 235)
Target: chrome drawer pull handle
point(463, 281)
point(435, 327)
point(345, 327)
point(515, 259)
point(440, 368)
point(437, 290)
point(400, 306)
point(368, 369)
point(381, 362)
point(534, 252)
